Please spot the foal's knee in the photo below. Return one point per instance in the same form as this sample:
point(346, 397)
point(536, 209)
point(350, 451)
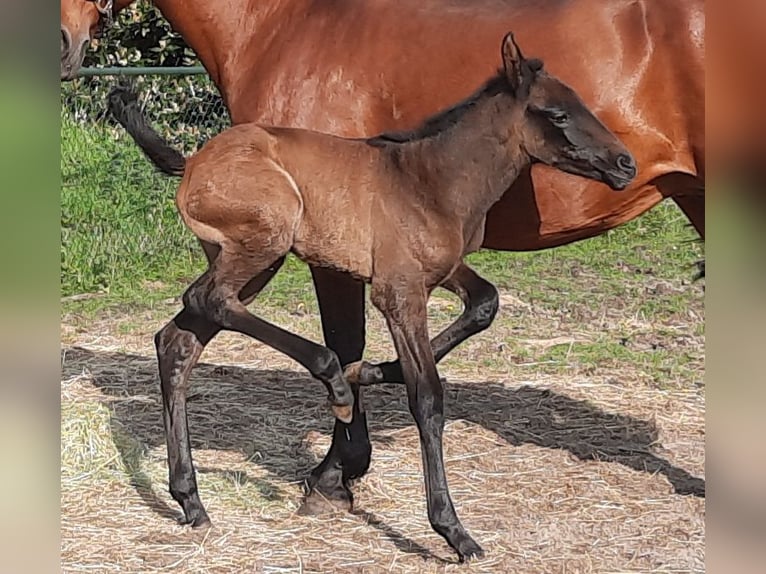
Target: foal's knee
point(161, 339)
point(168, 342)
point(204, 300)
point(326, 365)
point(196, 299)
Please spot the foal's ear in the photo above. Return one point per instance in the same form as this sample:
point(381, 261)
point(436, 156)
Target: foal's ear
point(517, 69)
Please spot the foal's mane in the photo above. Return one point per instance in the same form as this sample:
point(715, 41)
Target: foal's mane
point(447, 118)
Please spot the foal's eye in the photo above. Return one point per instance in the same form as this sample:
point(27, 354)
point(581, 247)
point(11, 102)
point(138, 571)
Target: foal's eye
point(559, 119)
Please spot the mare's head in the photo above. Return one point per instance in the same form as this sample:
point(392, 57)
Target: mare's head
point(81, 21)
point(558, 129)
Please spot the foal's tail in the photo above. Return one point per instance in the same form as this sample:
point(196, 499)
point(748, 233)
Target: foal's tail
point(123, 104)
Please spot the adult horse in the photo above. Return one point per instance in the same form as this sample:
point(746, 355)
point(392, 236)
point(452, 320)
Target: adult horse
point(359, 68)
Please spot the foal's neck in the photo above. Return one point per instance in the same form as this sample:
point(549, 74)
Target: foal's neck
point(468, 166)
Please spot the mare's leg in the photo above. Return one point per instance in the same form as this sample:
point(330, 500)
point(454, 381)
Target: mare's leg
point(403, 304)
point(693, 207)
point(688, 192)
point(480, 299)
point(341, 304)
point(179, 345)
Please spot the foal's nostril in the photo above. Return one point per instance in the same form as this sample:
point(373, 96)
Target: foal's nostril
point(626, 163)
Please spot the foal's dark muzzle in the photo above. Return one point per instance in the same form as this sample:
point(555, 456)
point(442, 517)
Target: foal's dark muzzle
point(621, 173)
point(627, 164)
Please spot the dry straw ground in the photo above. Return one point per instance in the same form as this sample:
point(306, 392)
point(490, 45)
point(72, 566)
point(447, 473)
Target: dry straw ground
point(559, 461)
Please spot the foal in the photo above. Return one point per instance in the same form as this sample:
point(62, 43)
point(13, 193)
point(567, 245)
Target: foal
point(398, 211)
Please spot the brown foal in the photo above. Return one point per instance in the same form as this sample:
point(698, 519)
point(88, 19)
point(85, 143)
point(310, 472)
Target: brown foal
point(398, 211)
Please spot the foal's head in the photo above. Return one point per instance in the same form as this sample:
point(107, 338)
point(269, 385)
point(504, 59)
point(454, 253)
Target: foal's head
point(558, 129)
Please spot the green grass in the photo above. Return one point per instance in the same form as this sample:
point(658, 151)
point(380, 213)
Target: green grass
point(658, 245)
point(123, 240)
point(119, 226)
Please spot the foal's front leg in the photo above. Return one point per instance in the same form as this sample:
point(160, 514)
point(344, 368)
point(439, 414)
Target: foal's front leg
point(404, 307)
point(480, 300)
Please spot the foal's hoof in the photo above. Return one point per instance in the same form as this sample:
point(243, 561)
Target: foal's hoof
point(315, 504)
point(353, 372)
point(198, 521)
point(364, 373)
point(344, 413)
point(468, 550)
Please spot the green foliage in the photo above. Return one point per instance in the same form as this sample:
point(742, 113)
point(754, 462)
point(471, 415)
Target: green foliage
point(140, 36)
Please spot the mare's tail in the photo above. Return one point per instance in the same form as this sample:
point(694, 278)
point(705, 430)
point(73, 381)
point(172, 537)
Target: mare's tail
point(123, 104)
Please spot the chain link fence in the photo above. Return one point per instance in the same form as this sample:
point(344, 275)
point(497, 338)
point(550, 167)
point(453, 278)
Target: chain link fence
point(119, 228)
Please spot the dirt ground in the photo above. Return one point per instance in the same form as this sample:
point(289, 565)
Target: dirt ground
point(555, 466)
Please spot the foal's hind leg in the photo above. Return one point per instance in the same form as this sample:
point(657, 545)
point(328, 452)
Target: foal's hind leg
point(481, 304)
point(179, 345)
point(215, 296)
point(404, 307)
point(215, 301)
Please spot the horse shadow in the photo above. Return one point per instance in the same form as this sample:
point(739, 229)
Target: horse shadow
point(265, 413)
